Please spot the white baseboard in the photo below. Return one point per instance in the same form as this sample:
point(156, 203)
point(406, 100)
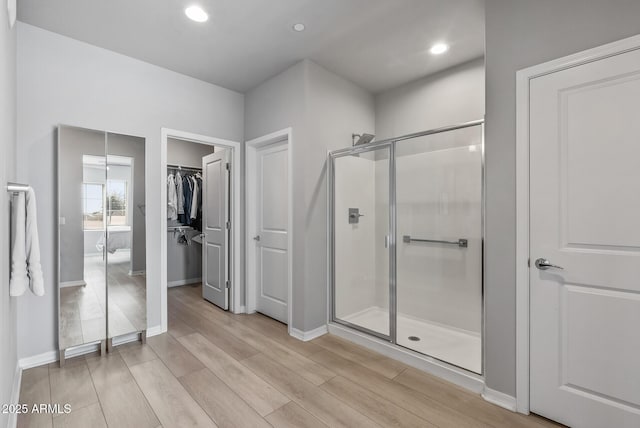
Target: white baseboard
point(38, 360)
point(15, 395)
point(241, 310)
point(306, 336)
point(471, 381)
point(183, 282)
point(79, 283)
point(154, 331)
point(137, 272)
point(499, 399)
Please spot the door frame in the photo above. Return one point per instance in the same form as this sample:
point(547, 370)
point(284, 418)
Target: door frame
point(523, 79)
point(235, 304)
point(251, 149)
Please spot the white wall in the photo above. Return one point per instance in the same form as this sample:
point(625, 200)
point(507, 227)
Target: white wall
point(520, 34)
point(453, 96)
point(186, 153)
point(8, 306)
point(279, 103)
point(323, 109)
point(65, 81)
point(336, 109)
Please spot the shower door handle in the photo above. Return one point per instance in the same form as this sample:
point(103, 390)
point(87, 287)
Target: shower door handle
point(386, 241)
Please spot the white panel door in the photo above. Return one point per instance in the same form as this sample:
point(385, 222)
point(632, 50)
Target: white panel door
point(585, 217)
point(215, 227)
point(272, 236)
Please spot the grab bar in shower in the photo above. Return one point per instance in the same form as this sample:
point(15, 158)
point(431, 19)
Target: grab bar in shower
point(462, 243)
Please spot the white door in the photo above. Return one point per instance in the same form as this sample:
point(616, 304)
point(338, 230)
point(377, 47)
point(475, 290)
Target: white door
point(215, 227)
point(271, 237)
point(585, 217)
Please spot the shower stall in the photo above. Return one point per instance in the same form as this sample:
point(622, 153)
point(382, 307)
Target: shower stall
point(406, 231)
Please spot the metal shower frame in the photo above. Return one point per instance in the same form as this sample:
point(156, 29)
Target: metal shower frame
point(390, 144)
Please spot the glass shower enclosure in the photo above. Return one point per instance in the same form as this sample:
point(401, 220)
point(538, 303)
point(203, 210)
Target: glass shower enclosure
point(406, 223)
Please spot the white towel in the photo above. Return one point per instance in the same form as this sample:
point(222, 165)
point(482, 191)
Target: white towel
point(19, 279)
point(36, 280)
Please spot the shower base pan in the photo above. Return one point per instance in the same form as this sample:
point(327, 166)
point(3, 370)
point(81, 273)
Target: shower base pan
point(455, 346)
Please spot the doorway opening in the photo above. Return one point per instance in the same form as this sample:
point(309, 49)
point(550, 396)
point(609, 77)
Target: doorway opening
point(200, 224)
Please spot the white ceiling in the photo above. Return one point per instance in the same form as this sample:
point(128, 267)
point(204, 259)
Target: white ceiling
point(378, 44)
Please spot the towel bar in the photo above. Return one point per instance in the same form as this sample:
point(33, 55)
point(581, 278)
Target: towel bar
point(17, 187)
point(462, 243)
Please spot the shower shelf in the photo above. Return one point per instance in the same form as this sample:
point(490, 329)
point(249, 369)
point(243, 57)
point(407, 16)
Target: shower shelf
point(462, 243)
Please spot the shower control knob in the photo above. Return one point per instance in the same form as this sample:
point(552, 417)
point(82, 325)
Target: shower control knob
point(256, 238)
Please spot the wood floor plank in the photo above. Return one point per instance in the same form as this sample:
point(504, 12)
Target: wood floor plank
point(263, 397)
point(319, 403)
point(72, 385)
point(123, 403)
point(222, 405)
point(170, 401)
point(89, 416)
point(291, 415)
point(34, 389)
point(177, 328)
point(136, 353)
point(174, 355)
point(303, 366)
point(230, 344)
point(465, 401)
point(278, 332)
point(387, 367)
point(407, 398)
point(374, 406)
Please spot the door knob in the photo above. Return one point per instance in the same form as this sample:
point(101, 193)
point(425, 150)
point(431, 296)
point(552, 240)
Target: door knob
point(256, 238)
point(544, 264)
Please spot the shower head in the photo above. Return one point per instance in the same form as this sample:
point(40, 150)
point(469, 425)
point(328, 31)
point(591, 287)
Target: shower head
point(359, 139)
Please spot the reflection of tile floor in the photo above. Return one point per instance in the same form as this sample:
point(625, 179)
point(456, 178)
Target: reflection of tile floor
point(457, 347)
point(82, 309)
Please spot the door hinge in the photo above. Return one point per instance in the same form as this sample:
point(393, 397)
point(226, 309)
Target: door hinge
point(228, 166)
point(228, 225)
point(226, 283)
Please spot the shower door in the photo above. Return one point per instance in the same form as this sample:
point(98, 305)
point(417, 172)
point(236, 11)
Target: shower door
point(361, 239)
point(407, 242)
point(439, 251)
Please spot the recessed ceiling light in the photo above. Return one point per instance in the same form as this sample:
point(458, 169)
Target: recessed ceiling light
point(195, 13)
point(298, 27)
point(439, 48)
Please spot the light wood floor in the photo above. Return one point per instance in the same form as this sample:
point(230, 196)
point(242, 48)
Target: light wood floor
point(214, 368)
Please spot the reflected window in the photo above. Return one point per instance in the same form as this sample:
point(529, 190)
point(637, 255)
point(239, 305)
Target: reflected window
point(92, 206)
point(94, 215)
point(117, 203)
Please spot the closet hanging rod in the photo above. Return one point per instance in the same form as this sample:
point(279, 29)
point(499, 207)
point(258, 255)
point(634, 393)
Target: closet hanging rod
point(188, 168)
point(17, 187)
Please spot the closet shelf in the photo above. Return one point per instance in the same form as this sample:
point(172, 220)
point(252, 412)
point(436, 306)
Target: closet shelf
point(178, 228)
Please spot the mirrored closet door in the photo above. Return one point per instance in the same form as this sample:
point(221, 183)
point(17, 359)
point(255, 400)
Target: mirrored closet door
point(102, 251)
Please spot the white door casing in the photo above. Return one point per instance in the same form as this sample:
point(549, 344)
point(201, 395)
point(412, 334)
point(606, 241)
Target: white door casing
point(215, 228)
point(583, 212)
point(271, 233)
